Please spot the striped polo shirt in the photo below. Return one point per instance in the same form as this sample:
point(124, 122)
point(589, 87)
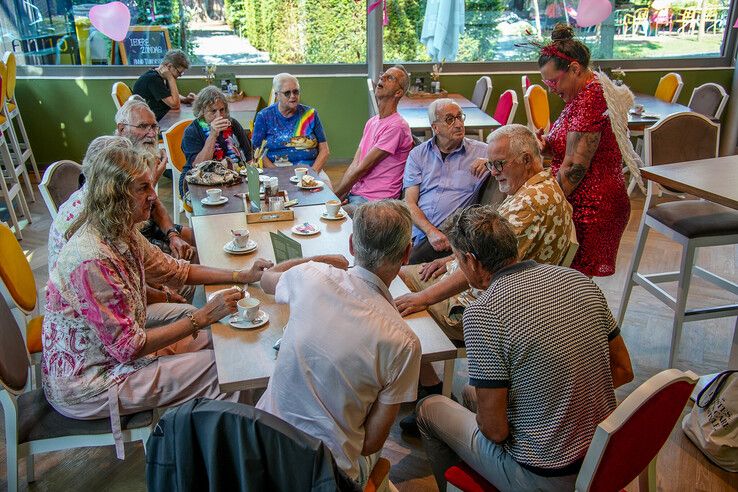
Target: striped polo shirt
point(543, 332)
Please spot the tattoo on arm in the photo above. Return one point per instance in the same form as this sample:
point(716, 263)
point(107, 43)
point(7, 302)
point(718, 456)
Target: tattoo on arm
point(576, 173)
point(580, 148)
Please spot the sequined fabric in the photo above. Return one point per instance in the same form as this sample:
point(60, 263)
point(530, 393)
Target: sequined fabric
point(600, 202)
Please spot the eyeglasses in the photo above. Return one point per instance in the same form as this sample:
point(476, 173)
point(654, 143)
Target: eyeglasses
point(497, 164)
point(179, 72)
point(287, 94)
point(450, 119)
point(388, 77)
point(553, 83)
point(144, 127)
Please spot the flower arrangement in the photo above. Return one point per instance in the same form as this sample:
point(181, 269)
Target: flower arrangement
point(210, 74)
point(617, 75)
point(437, 69)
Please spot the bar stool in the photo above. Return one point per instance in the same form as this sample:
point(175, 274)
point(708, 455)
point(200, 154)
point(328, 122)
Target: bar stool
point(682, 137)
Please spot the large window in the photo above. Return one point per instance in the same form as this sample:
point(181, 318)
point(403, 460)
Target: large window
point(493, 30)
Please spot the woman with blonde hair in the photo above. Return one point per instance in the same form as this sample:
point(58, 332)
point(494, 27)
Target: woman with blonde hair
point(99, 357)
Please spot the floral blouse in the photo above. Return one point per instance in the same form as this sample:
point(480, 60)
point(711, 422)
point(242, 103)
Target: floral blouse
point(96, 313)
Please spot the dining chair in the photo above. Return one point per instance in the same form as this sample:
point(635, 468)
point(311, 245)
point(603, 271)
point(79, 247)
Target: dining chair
point(506, 108)
point(22, 145)
point(625, 445)
point(691, 223)
point(11, 191)
point(524, 83)
point(173, 147)
point(18, 288)
point(669, 88)
point(32, 426)
point(60, 180)
point(373, 106)
point(537, 109)
point(120, 94)
point(708, 99)
point(16, 164)
point(482, 92)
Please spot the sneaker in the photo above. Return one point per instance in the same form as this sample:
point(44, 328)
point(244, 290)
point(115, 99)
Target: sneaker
point(409, 424)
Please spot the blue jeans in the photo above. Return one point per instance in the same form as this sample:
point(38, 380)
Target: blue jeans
point(356, 199)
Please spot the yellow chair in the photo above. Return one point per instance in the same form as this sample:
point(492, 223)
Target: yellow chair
point(120, 94)
point(669, 88)
point(536, 108)
point(21, 146)
point(173, 146)
point(18, 288)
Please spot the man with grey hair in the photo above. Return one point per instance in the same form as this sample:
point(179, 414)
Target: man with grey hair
point(158, 86)
point(136, 121)
point(541, 377)
point(363, 358)
point(540, 217)
point(442, 175)
point(379, 162)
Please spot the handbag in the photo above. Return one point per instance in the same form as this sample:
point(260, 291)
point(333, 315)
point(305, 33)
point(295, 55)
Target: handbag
point(213, 173)
point(712, 425)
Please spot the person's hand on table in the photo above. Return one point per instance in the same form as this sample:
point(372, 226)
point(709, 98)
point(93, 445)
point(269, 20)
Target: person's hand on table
point(253, 274)
point(181, 249)
point(434, 269)
point(478, 167)
point(220, 305)
point(338, 261)
point(439, 241)
point(410, 303)
point(218, 125)
point(190, 98)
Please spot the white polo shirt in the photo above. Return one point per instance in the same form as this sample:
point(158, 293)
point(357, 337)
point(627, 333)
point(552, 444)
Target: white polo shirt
point(346, 347)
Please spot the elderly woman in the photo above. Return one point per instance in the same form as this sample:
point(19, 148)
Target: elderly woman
point(588, 143)
point(214, 135)
point(99, 358)
point(292, 131)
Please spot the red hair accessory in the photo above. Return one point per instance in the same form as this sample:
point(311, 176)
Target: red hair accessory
point(551, 50)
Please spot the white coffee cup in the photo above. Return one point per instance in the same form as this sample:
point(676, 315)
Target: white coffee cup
point(332, 207)
point(240, 237)
point(248, 308)
point(300, 172)
point(214, 194)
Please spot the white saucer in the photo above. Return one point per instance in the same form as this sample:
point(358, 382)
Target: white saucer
point(339, 216)
point(318, 184)
point(295, 179)
point(243, 324)
point(231, 248)
point(222, 200)
point(244, 172)
point(299, 233)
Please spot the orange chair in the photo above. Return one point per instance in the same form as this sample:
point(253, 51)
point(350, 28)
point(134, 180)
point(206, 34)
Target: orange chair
point(669, 88)
point(625, 444)
point(536, 108)
point(18, 287)
point(120, 94)
point(173, 146)
point(22, 145)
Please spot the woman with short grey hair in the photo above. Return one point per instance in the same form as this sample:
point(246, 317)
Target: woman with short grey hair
point(290, 132)
point(214, 135)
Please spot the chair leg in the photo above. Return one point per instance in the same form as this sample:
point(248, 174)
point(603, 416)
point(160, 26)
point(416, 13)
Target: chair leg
point(685, 277)
point(27, 143)
point(634, 263)
point(647, 478)
point(449, 368)
point(19, 164)
point(733, 356)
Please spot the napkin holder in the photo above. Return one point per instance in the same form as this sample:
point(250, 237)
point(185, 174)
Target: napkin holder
point(254, 217)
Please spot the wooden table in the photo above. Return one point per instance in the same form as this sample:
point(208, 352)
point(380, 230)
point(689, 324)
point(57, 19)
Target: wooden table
point(415, 112)
point(245, 358)
point(242, 111)
point(715, 180)
point(653, 106)
point(235, 204)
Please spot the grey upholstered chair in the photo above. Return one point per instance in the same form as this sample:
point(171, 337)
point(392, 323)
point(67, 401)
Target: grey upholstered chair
point(60, 180)
point(708, 99)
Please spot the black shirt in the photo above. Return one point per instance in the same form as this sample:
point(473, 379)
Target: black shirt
point(153, 88)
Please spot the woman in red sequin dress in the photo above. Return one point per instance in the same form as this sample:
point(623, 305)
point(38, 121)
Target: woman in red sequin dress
point(585, 154)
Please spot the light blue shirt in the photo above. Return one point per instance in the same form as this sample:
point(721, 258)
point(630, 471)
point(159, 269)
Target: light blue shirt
point(445, 186)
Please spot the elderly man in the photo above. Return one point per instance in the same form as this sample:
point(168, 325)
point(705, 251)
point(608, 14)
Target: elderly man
point(379, 162)
point(441, 175)
point(538, 397)
point(359, 373)
point(539, 215)
point(158, 86)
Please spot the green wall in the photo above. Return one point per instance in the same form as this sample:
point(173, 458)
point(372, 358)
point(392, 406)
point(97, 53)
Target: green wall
point(62, 116)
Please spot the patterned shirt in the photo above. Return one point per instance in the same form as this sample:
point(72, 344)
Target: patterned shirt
point(540, 217)
point(295, 138)
point(65, 217)
point(96, 313)
point(524, 334)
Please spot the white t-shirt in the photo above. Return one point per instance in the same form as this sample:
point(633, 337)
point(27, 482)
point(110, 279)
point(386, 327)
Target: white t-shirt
point(346, 347)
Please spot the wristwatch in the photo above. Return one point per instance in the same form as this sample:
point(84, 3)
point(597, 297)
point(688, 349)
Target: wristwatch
point(170, 231)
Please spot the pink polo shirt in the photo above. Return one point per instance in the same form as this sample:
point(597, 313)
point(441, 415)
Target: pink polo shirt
point(391, 134)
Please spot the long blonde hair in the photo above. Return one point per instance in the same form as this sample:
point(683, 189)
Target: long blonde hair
point(111, 164)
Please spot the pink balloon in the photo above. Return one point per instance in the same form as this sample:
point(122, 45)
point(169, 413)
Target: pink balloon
point(592, 12)
point(112, 19)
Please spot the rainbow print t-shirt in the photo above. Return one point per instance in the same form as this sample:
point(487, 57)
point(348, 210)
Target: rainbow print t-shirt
point(295, 138)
